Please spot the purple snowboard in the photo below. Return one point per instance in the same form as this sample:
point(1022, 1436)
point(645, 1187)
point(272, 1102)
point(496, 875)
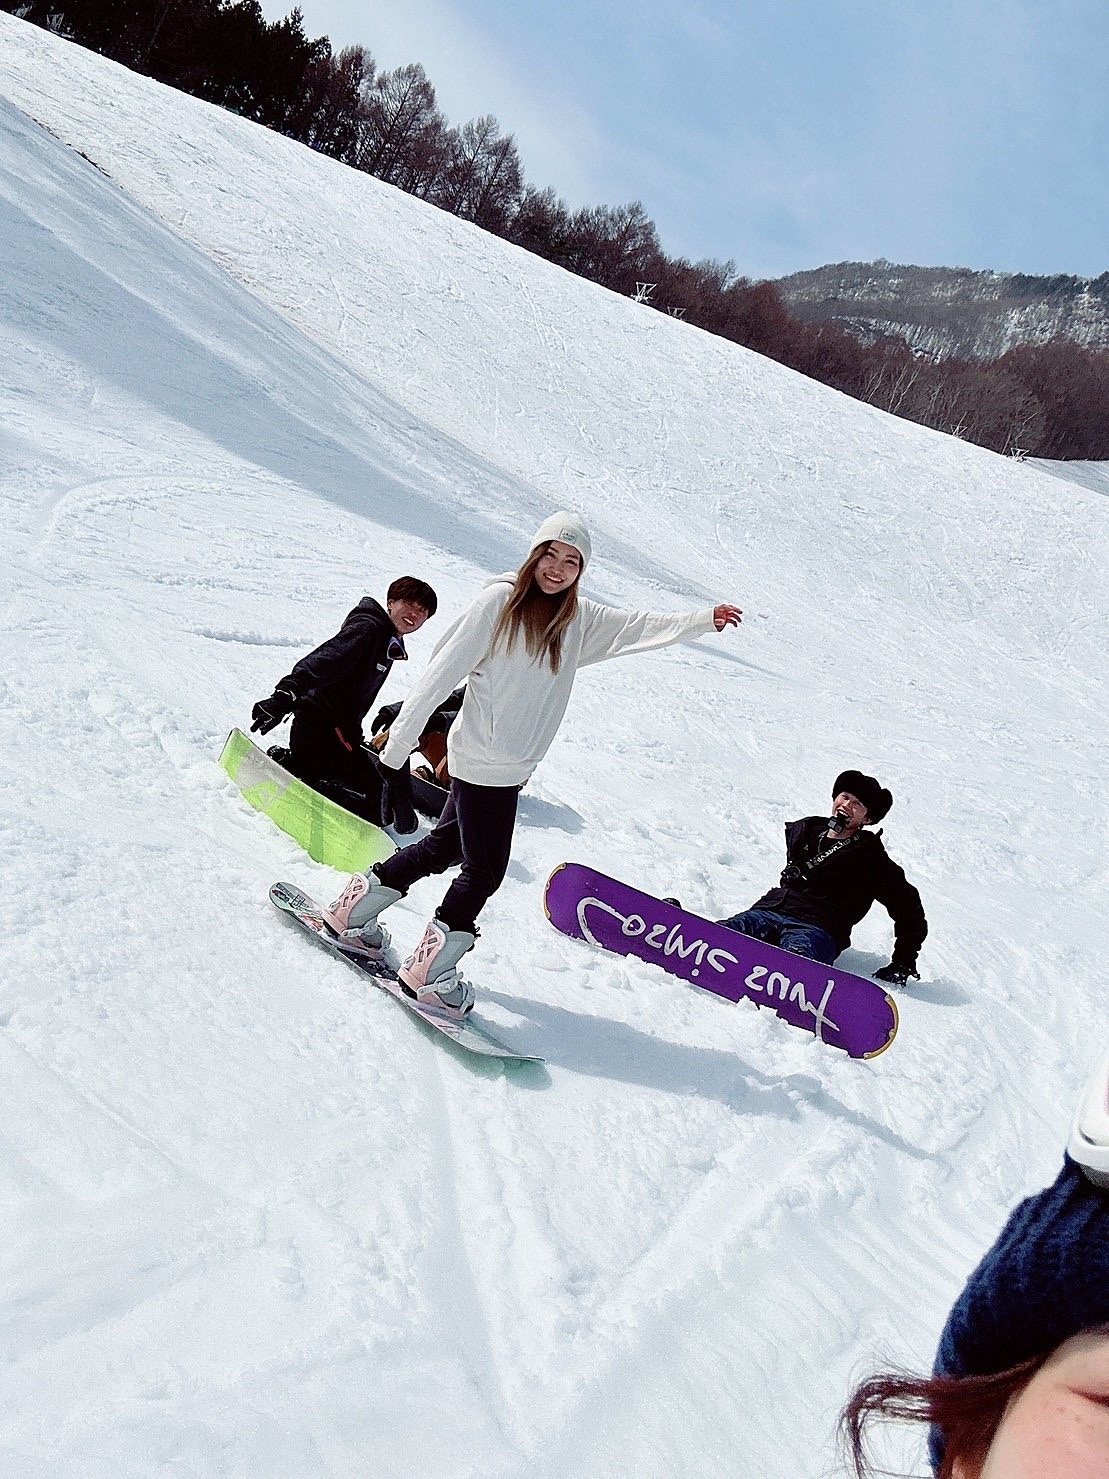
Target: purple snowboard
point(845, 1011)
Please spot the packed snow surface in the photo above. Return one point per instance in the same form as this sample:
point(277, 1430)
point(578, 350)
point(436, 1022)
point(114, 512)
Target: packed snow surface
point(258, 1222)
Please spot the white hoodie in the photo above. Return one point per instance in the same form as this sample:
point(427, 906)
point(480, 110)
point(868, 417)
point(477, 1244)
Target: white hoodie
point(514, 703)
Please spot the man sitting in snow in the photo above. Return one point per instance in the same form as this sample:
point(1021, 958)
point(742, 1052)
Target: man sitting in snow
point(330, 691)
point(432, 745)
point(834, 872)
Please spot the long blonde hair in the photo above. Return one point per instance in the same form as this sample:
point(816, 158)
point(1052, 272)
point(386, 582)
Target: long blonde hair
point(543, 619)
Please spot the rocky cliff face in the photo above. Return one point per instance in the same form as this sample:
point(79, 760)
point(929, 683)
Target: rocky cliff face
point(951, 312)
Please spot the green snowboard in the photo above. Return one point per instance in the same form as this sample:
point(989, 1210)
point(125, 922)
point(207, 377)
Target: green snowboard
point(325, 830)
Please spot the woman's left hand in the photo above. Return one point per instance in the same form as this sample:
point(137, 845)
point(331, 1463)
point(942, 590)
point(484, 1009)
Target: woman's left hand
point(727, 616)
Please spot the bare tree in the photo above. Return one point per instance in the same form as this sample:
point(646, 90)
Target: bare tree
point(541, 224)
point(482, 179)
point(613, 245)
point(330, 113)
point(398, 119)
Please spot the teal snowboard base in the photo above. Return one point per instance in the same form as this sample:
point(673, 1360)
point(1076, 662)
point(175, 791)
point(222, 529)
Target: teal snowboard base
point(326, 831)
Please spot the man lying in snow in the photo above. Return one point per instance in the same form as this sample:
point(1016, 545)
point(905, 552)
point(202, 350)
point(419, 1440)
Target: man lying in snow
point(834, 872)
point(433, 741)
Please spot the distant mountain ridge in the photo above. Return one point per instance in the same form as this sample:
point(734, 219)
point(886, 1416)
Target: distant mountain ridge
point(951, 312)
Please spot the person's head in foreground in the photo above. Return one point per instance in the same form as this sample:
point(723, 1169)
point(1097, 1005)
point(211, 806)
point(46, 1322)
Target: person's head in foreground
point(1020, 1386)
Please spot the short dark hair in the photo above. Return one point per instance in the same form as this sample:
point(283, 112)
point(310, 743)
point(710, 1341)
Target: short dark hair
point(411, 588)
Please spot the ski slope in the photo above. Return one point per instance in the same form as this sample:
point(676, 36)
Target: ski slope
point(259, 1224)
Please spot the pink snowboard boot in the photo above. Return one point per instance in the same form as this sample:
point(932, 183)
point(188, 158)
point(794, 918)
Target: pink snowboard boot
point(430, 973)
point(353, 916)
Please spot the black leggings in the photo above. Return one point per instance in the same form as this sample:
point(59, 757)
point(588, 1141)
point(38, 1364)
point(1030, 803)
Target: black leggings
point(474, 830)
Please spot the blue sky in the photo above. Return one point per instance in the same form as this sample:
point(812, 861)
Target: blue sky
point(790, 134)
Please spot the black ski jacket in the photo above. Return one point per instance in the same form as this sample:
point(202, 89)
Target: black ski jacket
point(438, 723)
point(344, 675)
point(834, 892)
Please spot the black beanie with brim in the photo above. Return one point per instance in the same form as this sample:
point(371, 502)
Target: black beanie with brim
point(866, 789)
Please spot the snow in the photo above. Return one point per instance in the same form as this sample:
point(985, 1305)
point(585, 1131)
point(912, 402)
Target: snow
point(1093, 475)
point(260, 1225)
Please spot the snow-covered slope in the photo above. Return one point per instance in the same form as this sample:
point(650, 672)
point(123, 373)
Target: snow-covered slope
point(1092, 475)
point(259, 1224)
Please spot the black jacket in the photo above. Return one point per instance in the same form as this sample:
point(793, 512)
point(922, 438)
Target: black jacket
point(343, 676)
point(438, 723)
point(835, 893)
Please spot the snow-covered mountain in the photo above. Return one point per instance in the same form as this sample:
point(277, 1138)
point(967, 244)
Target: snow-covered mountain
point(951, 312)
point(258, 1224)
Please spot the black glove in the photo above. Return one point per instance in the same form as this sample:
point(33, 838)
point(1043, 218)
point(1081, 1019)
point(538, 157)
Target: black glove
point(268, 713)
point(897, 972)
point(397, 810)
point(384, 717)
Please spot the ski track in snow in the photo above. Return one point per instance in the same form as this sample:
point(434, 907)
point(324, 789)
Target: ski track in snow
point(261, 1224)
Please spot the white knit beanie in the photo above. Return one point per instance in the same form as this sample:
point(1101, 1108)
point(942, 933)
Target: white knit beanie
point(569, 529)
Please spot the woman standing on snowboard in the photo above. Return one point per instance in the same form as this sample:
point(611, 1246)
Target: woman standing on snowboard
point(517, 648)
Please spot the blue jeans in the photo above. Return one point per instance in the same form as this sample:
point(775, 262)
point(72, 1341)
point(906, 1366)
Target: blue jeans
point(776, 929)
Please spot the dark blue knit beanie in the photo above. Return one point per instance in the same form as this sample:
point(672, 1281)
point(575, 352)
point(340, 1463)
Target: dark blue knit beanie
point(1044, 1280)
